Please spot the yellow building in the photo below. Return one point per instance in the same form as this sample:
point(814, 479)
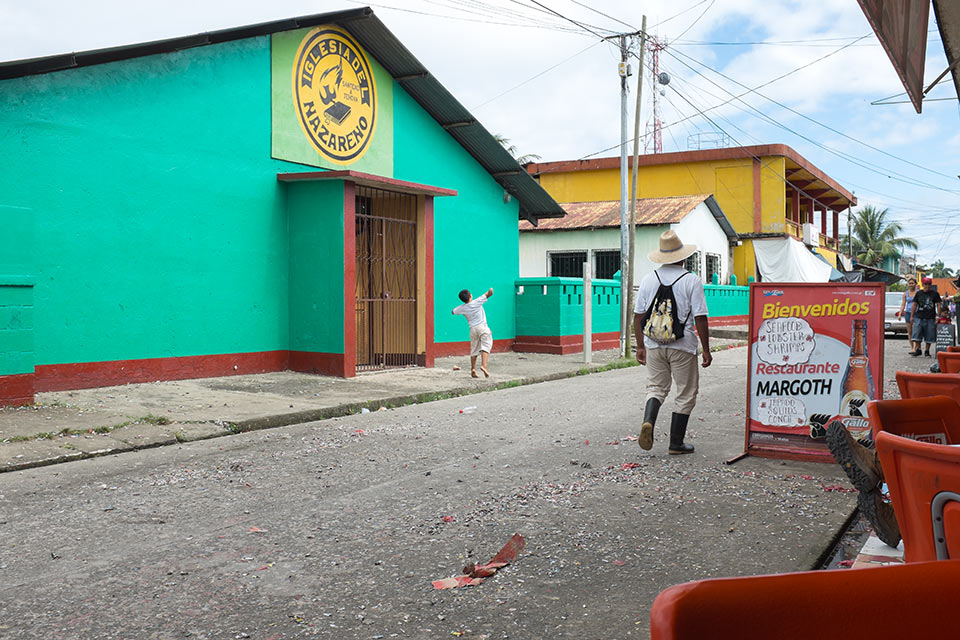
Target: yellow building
point(766, 191)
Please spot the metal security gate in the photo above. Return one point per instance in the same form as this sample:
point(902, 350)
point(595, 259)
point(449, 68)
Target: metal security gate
point(386, 237)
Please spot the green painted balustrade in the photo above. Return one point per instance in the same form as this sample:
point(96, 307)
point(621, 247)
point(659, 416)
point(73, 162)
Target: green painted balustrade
point(554, 306)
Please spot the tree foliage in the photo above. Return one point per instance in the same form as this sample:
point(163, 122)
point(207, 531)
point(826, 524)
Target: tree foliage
point(512, 149)
point(939, 270)
point(875, 237)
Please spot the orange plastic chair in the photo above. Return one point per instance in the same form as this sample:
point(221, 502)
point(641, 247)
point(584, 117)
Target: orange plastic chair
point(899, 601)
point(949, 362)
point(934, 419)
point(924, 385)
point(924, 483)
point(953, 349)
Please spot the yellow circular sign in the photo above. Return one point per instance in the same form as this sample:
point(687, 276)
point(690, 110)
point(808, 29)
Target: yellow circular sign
point(334, 94)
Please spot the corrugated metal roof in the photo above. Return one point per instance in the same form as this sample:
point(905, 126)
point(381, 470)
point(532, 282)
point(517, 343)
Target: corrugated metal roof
point(366, 28)
point(606, 213)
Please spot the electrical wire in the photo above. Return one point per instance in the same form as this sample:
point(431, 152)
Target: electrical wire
point(677, 15)
point(525, 23)
point(806, 117)
point(890, 173)
point(571, 20)
point(586, 6)
point(682, 33)
point(548, 69)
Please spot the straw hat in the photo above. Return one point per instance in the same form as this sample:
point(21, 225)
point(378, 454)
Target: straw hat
point(671, 249)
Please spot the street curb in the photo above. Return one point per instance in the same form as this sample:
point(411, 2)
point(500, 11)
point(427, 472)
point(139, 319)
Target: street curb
point(831, 547)
point(728, 334)
point(325, 413)
point(99, 453)
point(338, 411)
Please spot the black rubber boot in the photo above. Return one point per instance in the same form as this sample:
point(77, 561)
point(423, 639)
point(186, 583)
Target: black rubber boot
point(678, 429)
point(645, 438)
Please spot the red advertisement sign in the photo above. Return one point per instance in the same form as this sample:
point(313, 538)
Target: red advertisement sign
point(816, 355)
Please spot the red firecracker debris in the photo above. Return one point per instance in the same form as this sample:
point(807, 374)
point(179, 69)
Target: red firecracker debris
point(448, 518)
point(845, 563)
point(474, 574)
point(629, 465)
point(836, 487)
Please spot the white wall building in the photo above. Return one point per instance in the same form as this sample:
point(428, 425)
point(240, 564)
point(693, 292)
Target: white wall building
point(591, 231)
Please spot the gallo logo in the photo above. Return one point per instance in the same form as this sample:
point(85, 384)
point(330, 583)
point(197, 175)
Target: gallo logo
point(334, 94)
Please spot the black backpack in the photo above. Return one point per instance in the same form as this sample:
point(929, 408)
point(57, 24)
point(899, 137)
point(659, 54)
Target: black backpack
point(661, 322)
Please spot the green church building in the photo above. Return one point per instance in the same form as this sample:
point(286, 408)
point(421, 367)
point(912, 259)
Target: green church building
point(299, 194)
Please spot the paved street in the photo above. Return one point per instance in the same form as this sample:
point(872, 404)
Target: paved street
point(335, 529)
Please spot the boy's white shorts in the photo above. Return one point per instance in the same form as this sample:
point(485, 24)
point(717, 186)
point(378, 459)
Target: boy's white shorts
point(481, 339)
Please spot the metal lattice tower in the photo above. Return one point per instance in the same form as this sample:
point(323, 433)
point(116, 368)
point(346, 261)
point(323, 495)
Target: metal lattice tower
point(653, 138)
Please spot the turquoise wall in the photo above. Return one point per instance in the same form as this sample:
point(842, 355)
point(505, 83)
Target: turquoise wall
point(141, 197)
point(161, 228)
point(316, 266)
point(726, 300)
point(476, 243)
point(554, 306)
point(16, 325)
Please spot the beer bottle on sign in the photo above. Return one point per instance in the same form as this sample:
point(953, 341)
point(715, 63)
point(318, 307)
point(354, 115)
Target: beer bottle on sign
point(857, 386)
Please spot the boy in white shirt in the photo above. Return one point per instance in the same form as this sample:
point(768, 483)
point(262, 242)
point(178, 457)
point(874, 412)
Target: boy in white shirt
point(481, 339)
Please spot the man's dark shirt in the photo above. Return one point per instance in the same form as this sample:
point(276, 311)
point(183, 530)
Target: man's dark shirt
point(926, 303)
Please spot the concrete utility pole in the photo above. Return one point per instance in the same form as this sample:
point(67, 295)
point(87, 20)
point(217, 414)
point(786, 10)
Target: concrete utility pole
point(624, 229)
point(636, 156)
point(624, 69)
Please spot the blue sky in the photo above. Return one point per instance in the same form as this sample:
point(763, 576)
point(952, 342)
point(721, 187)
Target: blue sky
point(551, 86)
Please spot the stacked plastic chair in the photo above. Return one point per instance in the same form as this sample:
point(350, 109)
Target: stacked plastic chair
point(922, 474)
point(924, 385)
point(924, 483)
point(903, 601)
point(949, 362)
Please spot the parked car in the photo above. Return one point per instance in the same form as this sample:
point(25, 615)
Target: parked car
point(892, 323)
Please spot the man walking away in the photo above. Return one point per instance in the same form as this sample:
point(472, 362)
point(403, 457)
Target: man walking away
point(670, 301)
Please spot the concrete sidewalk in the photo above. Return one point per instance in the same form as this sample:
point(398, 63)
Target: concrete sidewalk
point(71, 425)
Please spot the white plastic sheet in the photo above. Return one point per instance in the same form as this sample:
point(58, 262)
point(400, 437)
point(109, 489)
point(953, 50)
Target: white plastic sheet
point(788, 260)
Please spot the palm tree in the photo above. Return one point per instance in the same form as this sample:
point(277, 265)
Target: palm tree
point(874, 238)
point(512, 149)
point(939, 270)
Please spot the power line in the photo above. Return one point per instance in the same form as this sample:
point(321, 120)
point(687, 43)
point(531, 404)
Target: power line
point(717, 106)
point(530, 79)
point(682, 33)
point(527, 21)
point(893, 175)
point(571, 20)
point(586, 6)
point(808, 118)
point(783, 178)
point(677, 15)
point(775, 42)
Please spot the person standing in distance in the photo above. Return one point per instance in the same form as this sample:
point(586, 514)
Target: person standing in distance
point(670, 302)
point(926, 309)
point(481, 338)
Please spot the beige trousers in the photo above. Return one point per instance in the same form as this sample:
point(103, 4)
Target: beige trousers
point(664, 364)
